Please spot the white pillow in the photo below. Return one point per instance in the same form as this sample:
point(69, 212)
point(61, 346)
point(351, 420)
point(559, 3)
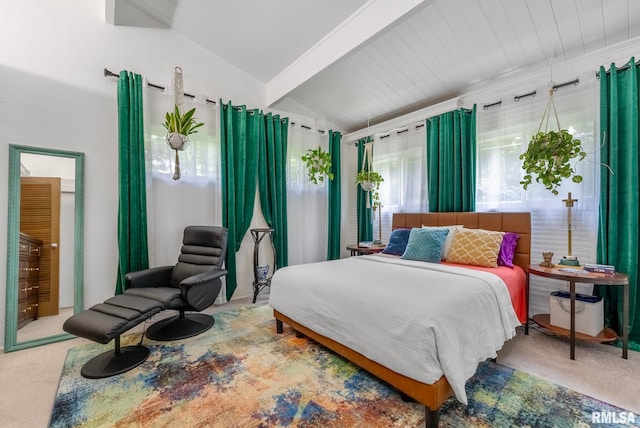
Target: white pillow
point(449, 239)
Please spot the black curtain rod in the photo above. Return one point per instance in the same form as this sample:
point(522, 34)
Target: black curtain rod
point(533, 93)
point(572, 82)
point(402, 131)
point(529, 94)
point(108, 73)
point(387, 135)
point(322, 131)
point(487, 106)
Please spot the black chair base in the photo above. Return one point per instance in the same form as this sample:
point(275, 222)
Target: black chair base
point(178, 327)
point(115, 362)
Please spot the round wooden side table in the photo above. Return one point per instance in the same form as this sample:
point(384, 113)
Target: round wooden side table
point(579, 275)
point(357, 250)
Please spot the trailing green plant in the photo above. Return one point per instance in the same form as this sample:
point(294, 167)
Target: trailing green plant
point(548, 159)
point(184, 124)
point(318, 164)
point(370, 182)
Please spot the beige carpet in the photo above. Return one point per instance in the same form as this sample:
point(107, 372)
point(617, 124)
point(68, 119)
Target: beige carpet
point(598, 370)
point(30, 377)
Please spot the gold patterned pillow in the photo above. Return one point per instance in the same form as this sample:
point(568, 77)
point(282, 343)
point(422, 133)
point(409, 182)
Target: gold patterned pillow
point(475, 247)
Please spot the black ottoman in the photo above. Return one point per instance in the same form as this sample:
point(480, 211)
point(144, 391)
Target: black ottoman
point(106, 321)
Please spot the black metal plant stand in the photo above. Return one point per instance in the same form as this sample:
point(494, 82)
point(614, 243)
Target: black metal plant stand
point(260, 284)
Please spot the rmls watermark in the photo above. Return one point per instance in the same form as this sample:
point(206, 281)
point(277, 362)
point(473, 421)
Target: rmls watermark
point(613, 418)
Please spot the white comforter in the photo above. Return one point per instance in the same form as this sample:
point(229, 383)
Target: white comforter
point(421, 320)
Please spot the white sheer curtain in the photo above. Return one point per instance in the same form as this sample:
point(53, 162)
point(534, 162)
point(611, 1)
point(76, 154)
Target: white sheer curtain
point(306, 202)
point(400, 157)
point(196, 198)
point(502, 135)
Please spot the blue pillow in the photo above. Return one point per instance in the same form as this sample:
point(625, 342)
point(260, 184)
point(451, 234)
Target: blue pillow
point(397, 242)
point(425, 245)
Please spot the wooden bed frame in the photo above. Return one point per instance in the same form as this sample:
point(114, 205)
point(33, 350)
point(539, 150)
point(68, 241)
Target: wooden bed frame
point(430, 395)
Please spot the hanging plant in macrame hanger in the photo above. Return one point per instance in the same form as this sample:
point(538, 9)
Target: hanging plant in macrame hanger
point(368, 179)
point(549, 153)
point(179, 125)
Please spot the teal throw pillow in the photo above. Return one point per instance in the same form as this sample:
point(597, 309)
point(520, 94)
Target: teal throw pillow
point(425, 245)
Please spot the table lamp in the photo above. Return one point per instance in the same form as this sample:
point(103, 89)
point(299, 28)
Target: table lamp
point(569, 260)
point(377, 206)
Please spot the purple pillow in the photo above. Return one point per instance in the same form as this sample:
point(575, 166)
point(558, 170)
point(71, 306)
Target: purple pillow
point(508, 249)
point(397, 242)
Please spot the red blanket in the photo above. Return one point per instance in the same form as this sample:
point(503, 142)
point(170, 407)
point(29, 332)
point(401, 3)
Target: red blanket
point(516, 282)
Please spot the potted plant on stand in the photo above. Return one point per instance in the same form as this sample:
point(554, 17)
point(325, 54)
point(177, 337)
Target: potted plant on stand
point(179, 126)
point(318, 164)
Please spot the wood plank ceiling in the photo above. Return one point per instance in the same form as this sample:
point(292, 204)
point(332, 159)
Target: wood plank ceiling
point(430, 52)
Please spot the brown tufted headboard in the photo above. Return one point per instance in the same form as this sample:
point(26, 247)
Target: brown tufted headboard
point(519, 223)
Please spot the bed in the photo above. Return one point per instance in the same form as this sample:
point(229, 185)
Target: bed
point(328, 301)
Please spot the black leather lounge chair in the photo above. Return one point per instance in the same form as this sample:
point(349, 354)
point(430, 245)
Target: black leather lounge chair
point(193, 284)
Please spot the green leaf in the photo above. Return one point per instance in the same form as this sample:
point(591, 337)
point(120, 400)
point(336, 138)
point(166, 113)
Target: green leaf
point(188, 115)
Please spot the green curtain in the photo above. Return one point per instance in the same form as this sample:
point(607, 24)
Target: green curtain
point(240, 134)
point(333, 221)
point(451, 161)
point(272, 180)
point(618, 233)
point(133, 252)
point(365, 227)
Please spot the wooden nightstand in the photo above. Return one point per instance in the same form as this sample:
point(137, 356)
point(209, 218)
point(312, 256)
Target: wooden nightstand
point(357, 250)
point(607, 334)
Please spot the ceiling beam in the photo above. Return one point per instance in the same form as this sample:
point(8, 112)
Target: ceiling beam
point(363, 24)
point(128, 13)
point(110, 11)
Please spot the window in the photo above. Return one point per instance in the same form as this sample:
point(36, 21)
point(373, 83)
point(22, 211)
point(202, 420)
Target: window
point(307, 203)
point(199, 161)
point(400, 157)
point(194, 199)
point(502, 135)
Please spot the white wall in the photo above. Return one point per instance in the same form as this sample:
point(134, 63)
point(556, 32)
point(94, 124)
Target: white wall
point(53, 94)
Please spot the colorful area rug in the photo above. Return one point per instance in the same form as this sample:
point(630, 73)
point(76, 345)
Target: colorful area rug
point(242, 374)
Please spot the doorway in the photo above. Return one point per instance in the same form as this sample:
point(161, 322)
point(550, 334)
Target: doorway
point(40, 219)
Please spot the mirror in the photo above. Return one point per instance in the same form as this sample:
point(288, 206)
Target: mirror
point(45, 236)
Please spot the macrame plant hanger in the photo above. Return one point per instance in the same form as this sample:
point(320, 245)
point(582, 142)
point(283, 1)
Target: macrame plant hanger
point(178, 142)
point(367, 159)
point(569, 202)
point(547, 111)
